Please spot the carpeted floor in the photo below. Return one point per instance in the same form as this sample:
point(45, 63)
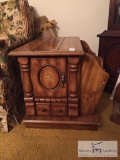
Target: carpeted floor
point(46, 144)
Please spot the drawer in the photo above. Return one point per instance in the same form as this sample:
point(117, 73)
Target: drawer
point(59, 109)
point(43, 109)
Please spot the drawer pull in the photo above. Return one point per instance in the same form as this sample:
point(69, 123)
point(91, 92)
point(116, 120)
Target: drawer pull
point(43, 109)
point(59, 110)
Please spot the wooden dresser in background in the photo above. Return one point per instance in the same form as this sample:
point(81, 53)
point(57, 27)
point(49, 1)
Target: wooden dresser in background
point(109, 50)
point(109, 45)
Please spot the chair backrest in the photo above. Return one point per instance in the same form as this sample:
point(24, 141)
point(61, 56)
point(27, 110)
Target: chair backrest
point(16, 17)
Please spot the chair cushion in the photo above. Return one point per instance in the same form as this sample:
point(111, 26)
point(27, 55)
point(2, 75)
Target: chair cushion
point(15, 17)
point(16, 29)
point(12, 20)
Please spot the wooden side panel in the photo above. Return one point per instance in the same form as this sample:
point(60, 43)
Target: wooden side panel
point(92, 83)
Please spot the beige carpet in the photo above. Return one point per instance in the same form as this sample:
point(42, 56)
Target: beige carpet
point(46, 144)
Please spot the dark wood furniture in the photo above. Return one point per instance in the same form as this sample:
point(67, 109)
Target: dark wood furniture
point(51, 77)
point(109, 45)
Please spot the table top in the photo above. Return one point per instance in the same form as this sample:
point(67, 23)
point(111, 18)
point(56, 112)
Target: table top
point(50, 46)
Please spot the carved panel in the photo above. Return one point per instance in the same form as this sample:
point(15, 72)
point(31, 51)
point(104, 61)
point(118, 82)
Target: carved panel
point(48, 77)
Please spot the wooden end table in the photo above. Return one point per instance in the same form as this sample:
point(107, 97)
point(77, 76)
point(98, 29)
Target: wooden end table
point(51, 73)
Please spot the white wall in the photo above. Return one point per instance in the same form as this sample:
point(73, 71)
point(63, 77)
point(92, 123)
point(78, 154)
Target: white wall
point(83, 18)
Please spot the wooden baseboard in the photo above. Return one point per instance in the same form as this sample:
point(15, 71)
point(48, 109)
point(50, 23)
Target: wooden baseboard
point(84, 122)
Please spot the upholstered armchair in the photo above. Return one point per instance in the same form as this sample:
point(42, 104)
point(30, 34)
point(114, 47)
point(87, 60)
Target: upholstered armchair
point(16, 29)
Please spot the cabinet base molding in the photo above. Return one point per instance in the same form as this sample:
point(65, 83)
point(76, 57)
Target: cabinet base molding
point(84, 122)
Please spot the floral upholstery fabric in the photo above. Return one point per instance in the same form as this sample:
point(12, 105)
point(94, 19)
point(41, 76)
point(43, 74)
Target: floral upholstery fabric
point(15, 18)
point(16, 29)
point(12, 21)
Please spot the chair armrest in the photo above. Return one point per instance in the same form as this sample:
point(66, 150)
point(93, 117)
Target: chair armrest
point(2, 43)
point(3, 38)
point(16, 41)
point(11, 41)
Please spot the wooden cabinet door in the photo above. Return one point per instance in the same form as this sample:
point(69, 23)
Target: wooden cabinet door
point(49, 77)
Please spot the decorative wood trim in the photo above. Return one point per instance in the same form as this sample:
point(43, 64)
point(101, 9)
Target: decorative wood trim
point(82, 122)
point(27, 85)
point(25, 73)
point(73, 78)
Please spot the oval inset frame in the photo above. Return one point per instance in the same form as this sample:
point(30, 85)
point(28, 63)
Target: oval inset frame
point(48, 77)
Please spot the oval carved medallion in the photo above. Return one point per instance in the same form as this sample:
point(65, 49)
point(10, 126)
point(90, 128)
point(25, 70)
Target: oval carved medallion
point(48, 77)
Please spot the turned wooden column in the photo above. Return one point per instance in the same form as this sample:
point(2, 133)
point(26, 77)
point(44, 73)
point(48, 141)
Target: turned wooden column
point(73, 87)
point(27, 85)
